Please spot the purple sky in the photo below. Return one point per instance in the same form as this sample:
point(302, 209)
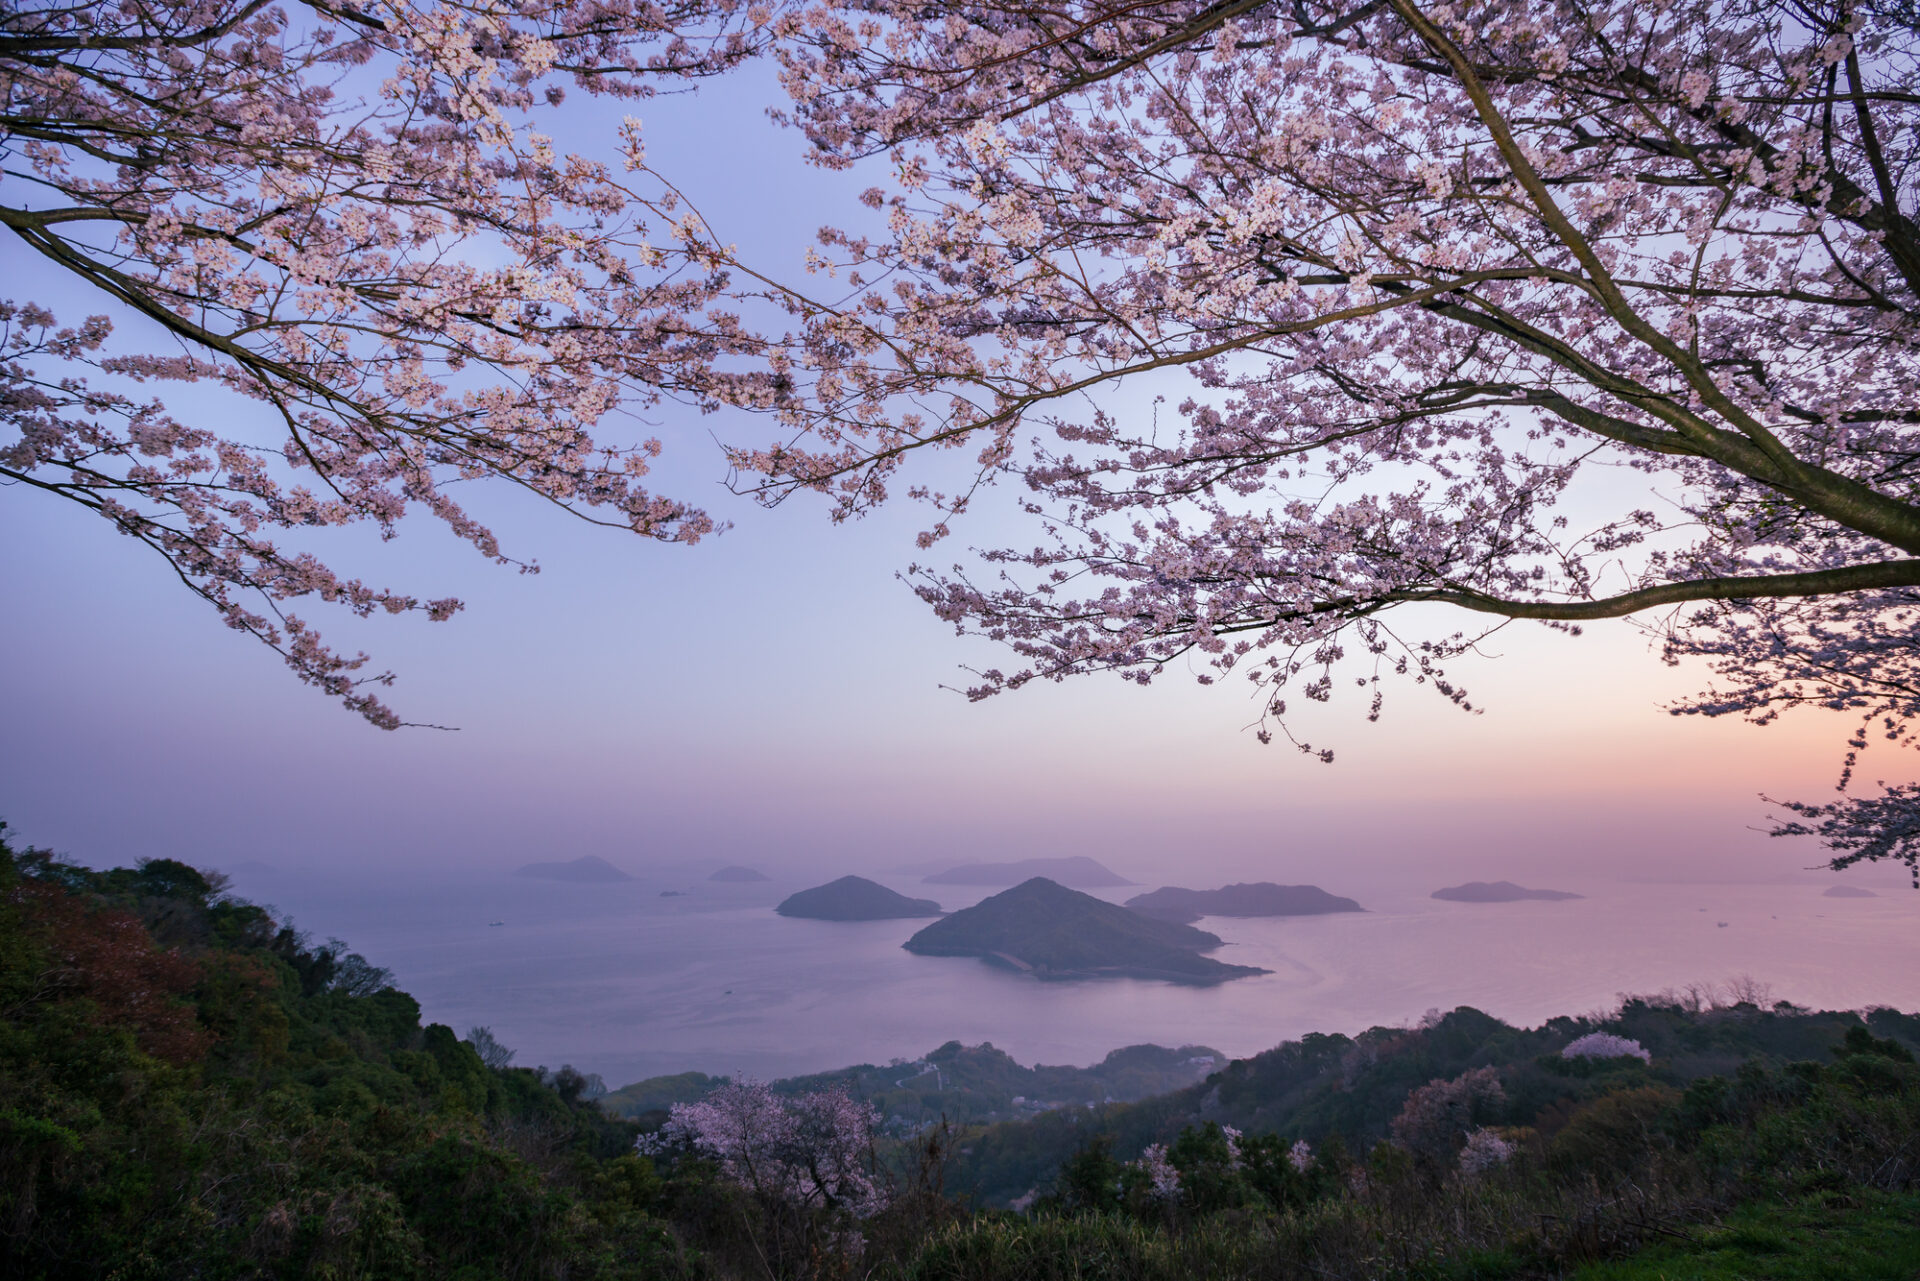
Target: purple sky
point(775, 695)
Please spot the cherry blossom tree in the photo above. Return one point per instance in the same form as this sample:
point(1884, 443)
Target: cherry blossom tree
point(814, 1151)
point(1484, 1151)
point(1605, 1045)
point(347, 217)
point(1438, 1116)
point(1436, 273)
point(1161, 1176)
point(1436, 276)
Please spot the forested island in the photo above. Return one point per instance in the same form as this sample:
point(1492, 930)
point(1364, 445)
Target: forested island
point(1260, 898)
point(191, 1088)
point(1051, 932)
point(855, 898)
point(738, 875)
point(1498, 892)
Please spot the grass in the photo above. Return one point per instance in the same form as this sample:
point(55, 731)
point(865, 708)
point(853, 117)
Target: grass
point(1861, 1236)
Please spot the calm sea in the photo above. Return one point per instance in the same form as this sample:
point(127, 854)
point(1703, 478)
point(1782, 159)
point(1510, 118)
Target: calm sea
point(617, 979)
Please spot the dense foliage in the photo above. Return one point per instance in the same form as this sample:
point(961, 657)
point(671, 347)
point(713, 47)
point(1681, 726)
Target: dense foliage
point(191, 1088)
point(1353, 1089)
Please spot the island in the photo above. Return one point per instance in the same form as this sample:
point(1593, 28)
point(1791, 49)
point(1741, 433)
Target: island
point(739, 875)
point(855, 898)
point(1497, 892)
point(1046, 930)
point(1260, 898)
point(1848, 891)
point(588, 870)
point(1080, 871)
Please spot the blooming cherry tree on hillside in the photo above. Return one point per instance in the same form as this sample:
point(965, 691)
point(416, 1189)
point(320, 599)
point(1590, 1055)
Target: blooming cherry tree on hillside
point(813, 1150)
point(1605, 1045)
point(1427, 267)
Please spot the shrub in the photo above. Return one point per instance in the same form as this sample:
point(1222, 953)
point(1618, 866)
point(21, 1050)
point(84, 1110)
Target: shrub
point(1618, 1131)
point(1438, 1116)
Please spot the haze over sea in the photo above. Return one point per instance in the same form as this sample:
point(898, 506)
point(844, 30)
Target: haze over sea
point(617, 979)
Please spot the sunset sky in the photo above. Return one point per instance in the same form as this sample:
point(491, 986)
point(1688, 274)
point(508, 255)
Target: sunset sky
point(776, 695)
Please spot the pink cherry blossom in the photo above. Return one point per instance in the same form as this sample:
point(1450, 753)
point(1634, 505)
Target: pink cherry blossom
point(1163, 1179)
point(1430, 270)
point(1605, 1045)
point(1430, 273)
point(812, 1149)
point(346, 219)
point(1484, 1151)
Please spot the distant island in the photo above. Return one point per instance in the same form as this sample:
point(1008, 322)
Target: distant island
point(1080, 872)
point(1497, 892)
point(855, 898)
point(1051, 932)
point(1848, 891)
point(739, 874)
point(1260, 898)
point(590, 869)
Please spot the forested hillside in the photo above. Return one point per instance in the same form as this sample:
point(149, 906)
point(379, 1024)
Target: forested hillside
point(1352, 1088)
point(190, 1088)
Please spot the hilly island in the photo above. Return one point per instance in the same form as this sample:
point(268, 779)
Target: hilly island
point(1051, 932)
point(589, 869)
point(1261, 898)
point(1498, 892)
point(855, 898)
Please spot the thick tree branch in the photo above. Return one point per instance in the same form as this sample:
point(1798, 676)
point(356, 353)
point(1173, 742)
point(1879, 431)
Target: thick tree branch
point(1826, 582)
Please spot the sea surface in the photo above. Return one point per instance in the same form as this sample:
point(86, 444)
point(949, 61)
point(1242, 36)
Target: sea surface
point(619, 980)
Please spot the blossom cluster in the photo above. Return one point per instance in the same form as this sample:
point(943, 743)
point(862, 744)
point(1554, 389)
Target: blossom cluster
point(1426, 270)
point(1484, 1150)
point(813, 1150)
point(1605, 1045)
point(1163, 1179)
point(349, 229)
